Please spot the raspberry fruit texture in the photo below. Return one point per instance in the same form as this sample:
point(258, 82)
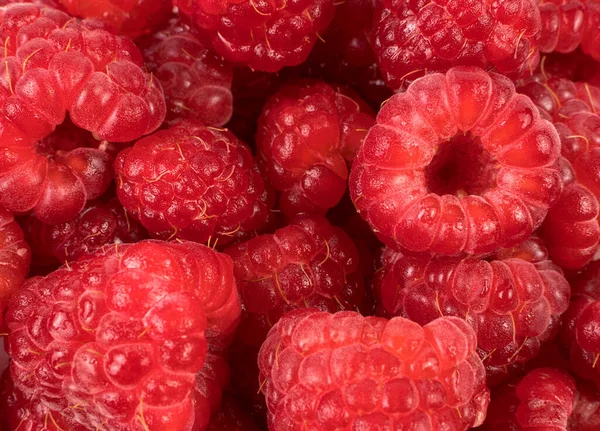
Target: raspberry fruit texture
point(263, 35)
point(411, 38)
point(193, 182)
point(230, 417)
point(424, 186)
point(306, 134)
point(512, 304)
point(543, 399)
point(99, 224)
point(586, 411)
point(208, 389)
point(347, 372)
point(196, 82)
point(131, 18)
point(122, 334)
point(15, 256)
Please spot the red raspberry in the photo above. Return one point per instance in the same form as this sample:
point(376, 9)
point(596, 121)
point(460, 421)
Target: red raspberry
point(122, 334)
point(231, 418)
point(15, 257)
point(411, 38)
point(542, 400)
point(99, 224)
point(344, 371)
point(197, 83)
point(425, 186)
point(128, 17)
point(193, 182)
point(306, 133)
point(263, 35)
point(56, 63)
point(563, 24)
point(513, 305)
point(208, 389)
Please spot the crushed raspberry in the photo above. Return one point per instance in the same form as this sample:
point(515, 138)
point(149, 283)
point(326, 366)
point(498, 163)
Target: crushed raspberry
point(408, 179)
point(15, 256)
point(346, 371)
point(412, 38)
point(197, 83)
point(193, 182)
point(261, 34)
point(306, 135)
point(122, 334)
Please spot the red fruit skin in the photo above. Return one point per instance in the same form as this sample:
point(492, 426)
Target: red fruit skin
point(349, 372)
point(230, 417)
point(542, 400)
point(563, 25)
point(513, 305)
point(15, 256)
point(263, 35)
point(499, 183)
point(122, 334)
point(196, 82)
point(98, 225)
point(306, 134)
point(193, 182)
point(131, 18)
point(412, 38)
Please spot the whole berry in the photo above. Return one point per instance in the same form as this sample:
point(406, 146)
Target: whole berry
point(128, 17)
point(193, 182)
point(513, 305)
point(306, 134)
point(543, 399)
point(348, 372)
point(196, 82)
point(122, 334)
point(412, 38)
point(263, 35)
point(15, 256)
point(457, 163)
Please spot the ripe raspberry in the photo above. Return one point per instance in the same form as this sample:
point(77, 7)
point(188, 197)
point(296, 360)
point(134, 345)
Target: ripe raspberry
point(231, 418)
point(193, 182)
point(542, 400)
point(15, 257)
point(99, 224)
point(411, 38)
point(306, 133)
point(263, 35)
point(512, 304)
point(344, 371)
point(208, 389)
point(122, 334)
point(132, 18)
point(197, 83)
point(56, 63)
point(424, 186)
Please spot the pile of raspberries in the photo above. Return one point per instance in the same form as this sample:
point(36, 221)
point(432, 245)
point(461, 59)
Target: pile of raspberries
point(300, 215)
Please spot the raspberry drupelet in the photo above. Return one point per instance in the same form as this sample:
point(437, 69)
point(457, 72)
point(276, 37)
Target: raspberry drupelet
point(512, 304)
point(196, 82)
point(542, 400)
point(457, 163)
point(15, 256)
point(413, 38)
point(261, 34)
point(307, 133)
point(347, 372)
point(131, 18)
point(122, 334)
point(193, 182)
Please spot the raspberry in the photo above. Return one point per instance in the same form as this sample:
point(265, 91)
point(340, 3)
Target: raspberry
point(129, 17)
point(210, 382)
point(411, 38)
point(543, 399)
point(512, 304)
point(306, 133)
point(345, 371)
point(55, 63)
point(193, 182)
point(122, 334)
point(99, 224)
point(424, 186)
point(263, 35)
point(231, 418)
point(197, 83)
point(564, 24)
point(15, 257)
